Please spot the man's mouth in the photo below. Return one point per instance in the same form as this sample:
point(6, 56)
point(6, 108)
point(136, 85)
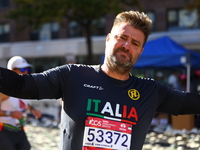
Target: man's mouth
point(123, 53)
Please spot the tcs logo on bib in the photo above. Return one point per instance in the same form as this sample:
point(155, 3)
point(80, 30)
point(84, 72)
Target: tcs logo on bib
point(133, 94)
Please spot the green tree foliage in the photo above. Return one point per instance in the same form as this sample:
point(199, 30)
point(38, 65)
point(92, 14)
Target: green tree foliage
point(193, 4)
point(39, 12)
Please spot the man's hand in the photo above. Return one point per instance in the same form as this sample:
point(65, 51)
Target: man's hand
point(16, 114)
point(36, 113)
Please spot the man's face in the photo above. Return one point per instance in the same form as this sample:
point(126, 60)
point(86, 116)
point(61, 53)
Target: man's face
point(26, 70)
point(124, 45)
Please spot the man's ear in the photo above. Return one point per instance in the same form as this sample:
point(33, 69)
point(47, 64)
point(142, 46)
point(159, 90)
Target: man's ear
point(107, 37)
point(142, 51)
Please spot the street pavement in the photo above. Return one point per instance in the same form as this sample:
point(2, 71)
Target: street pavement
point(47, 138)
point(42, 138)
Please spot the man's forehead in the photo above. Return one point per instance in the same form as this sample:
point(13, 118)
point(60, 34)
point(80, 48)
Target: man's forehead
point(125, 29)
point(128, 30)
point(120, 28)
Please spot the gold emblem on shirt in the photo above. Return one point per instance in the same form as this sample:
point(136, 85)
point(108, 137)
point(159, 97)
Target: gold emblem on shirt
point(133, 94)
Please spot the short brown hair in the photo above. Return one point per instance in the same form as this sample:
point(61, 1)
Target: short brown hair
point(136, 19)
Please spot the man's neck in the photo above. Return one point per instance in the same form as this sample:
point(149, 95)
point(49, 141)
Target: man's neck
point(114, 74)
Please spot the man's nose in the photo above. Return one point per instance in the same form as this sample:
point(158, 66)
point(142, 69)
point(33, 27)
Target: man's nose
point(126, 45)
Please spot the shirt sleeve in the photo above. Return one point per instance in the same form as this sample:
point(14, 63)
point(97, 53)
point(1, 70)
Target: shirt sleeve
point(179, 102)
point(191, 104)
point(171, 100)
point(21, 86)
point(51, 82)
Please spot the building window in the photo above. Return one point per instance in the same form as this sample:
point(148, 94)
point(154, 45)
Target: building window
point(4, 32)
point(151, 15)
point(98, 27)
point(46, 32)
point(75, 30)
point(180, 19)
point(4, 3)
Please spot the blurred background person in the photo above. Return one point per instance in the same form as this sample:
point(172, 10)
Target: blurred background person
point(159, 76)
point(195, 83)
point(183, 82)
point(173, 80)
point(13, 112)
point(50, 113)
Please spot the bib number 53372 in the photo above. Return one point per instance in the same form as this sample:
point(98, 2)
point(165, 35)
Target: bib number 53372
point(107, 138)
point(102, 134)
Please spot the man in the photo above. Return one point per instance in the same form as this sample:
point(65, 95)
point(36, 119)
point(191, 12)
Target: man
point(104, 106)
point(12, 111)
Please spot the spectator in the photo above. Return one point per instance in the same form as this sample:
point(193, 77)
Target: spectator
point(12, 113)
point(173, 80)
point(195, 84)
point(159, 76)
point(183, 82)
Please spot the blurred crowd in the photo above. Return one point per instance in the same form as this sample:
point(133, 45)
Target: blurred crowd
point(177, 80)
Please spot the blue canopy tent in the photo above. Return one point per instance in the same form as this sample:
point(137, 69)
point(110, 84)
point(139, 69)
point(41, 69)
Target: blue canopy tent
point(164, 52)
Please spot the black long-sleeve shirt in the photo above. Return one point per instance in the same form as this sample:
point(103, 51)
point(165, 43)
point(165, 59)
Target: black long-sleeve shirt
point(100, 111)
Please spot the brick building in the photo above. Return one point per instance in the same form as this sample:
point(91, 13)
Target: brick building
point(52, 44)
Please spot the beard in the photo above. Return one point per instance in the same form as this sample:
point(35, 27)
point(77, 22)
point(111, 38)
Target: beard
point(122, 63)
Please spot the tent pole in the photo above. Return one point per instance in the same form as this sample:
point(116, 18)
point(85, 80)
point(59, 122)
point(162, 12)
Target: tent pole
point(188, 77)
point(188, 67)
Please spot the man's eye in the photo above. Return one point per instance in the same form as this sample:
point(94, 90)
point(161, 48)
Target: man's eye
point(121, 37)
point(134, 43)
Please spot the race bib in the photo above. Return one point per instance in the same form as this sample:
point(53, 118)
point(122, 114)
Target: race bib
point(106, 134)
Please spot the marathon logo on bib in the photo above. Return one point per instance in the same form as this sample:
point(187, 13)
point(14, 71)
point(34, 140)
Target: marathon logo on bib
point(102, 134)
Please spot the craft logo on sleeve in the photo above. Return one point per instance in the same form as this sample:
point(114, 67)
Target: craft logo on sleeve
point(102, 133)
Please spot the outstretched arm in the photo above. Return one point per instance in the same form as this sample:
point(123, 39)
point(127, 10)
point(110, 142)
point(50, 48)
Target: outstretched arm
point(22, 86)
point(191, 104)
